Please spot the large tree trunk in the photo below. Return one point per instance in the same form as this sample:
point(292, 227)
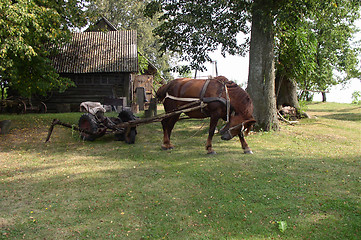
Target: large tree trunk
point(286, 92)
point(261, 78)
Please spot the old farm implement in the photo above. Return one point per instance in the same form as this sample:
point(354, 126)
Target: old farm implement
point(195, 98)
point(94, 124)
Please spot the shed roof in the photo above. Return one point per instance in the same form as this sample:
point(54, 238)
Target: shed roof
point(96, 52)
point(101, 25)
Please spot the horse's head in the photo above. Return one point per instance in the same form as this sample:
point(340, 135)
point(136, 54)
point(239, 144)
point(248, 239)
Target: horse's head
point(240, 120)
point(236, 126)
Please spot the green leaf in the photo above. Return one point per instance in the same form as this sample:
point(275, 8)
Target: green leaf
point(282, 226)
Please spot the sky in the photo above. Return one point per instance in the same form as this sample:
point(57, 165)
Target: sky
point(235, 68)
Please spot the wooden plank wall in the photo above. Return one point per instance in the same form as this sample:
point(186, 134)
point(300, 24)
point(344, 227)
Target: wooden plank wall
point(90, 87)
point(145, 81)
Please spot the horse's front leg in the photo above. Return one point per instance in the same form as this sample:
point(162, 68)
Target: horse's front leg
point(245, 146)
point(212, 128)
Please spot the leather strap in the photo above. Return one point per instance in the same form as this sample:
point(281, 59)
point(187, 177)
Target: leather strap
point(203, 99)
point(204, 89)
point(213, 99)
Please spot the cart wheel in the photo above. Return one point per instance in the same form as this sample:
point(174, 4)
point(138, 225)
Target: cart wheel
point(21, 107)
point(42, 108)
point(88, 122)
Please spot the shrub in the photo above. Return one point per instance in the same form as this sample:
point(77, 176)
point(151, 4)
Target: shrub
point(356, 95)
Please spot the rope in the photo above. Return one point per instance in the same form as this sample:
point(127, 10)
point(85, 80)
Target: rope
point(199, 129)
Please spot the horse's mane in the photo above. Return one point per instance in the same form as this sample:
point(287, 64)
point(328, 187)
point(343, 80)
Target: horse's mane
point(240, 100)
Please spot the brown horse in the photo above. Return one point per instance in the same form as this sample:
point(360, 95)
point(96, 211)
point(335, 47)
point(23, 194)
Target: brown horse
point(225, 100)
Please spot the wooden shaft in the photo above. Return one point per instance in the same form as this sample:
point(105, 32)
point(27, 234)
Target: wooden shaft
point(158, 118)
point(57, 122)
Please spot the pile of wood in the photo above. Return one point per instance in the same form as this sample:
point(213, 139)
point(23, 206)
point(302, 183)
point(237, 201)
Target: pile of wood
point(291, 114)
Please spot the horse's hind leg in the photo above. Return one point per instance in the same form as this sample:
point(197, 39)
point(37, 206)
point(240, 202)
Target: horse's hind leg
point(245, 146)
point(168, 125)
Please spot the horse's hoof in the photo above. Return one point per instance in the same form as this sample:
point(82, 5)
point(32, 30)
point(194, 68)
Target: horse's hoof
point(167, 147)
point(248, 152)
point(211, 153)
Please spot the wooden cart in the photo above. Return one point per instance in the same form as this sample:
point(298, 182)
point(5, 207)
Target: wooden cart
point(93, 126)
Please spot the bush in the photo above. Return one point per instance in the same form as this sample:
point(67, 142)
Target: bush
point(356, 95)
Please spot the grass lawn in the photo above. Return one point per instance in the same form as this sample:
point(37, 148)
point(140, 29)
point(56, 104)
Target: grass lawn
point(307, 176)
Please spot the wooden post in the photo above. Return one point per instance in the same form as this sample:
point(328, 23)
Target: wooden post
point(140, 96)
point(153, 106)
point(152, 110)
point(5, 126)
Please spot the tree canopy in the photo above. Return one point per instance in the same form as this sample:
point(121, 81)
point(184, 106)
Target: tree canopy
point(309, 39)
point(314, 48)
point(30, 30)
point(193, 29)
point(129, 15)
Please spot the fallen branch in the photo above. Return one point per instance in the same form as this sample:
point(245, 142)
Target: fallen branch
point(285, 120)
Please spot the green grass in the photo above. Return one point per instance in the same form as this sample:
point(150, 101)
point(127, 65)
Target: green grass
point(308, 175)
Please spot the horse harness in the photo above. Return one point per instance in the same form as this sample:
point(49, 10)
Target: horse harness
point(226, 101)
point(203, 99)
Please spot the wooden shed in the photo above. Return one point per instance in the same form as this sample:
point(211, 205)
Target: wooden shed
point(102, 64)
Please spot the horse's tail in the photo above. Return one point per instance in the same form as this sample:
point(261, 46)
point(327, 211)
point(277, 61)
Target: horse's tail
point(162, 92)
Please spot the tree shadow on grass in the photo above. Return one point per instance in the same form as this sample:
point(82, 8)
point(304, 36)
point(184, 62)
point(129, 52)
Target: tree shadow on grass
point(336, 110)
point(344, 116)
point(195, 200)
